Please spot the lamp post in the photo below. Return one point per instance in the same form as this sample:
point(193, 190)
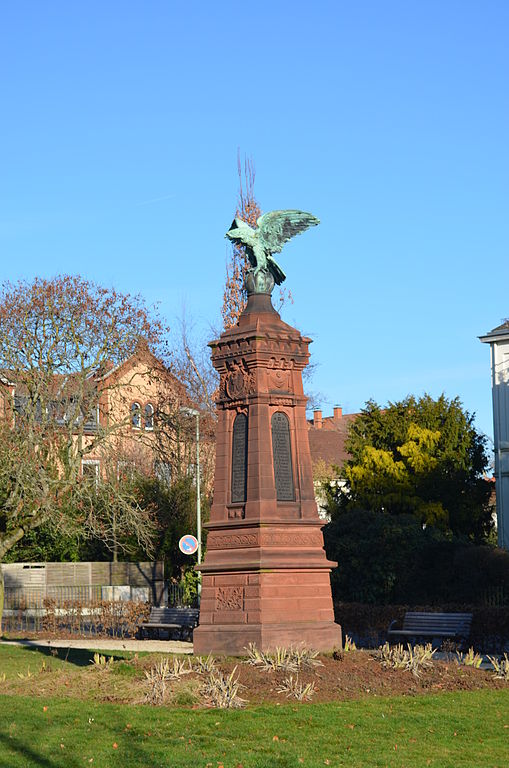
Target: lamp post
point(194, 412)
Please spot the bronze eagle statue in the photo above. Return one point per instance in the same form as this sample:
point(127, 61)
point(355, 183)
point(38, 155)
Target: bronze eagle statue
point(273, 230)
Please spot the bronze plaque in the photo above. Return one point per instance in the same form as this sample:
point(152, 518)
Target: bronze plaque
point(283, 473)
point(239, 459)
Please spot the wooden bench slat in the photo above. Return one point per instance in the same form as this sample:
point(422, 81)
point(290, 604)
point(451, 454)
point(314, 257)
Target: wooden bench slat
point(430, 624)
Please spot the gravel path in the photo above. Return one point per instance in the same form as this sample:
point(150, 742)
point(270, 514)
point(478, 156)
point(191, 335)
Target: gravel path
point(100, 644)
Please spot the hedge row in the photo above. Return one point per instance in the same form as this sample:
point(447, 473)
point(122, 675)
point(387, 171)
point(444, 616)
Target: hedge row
point(368, 624)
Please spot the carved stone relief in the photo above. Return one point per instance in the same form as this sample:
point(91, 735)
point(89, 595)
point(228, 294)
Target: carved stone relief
point(236, 513)
point(233, 541)
point(229, 598)
point(237, 382)
point(280, 539)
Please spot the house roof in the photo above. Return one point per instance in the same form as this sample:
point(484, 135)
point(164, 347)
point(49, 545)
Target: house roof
point(501, 332)
point(327, 443)
point(503, 327)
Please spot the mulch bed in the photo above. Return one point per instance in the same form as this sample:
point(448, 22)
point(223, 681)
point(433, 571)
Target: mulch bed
point(352, 675)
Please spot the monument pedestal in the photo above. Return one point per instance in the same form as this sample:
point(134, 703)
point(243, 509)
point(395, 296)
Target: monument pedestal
point(265, 576)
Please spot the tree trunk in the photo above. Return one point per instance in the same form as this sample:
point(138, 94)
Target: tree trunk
point(115, 542)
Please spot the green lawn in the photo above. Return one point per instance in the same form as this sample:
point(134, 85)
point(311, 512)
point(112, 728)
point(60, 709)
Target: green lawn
point(453, 729)
point(456, 730)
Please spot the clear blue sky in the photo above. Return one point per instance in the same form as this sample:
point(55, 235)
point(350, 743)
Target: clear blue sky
point(389, 120)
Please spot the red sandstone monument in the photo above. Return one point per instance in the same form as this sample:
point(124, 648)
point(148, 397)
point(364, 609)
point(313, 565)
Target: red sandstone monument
point(265, 576)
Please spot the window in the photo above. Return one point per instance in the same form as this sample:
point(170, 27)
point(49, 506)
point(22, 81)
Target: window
point(149, 416)
point(136, 416)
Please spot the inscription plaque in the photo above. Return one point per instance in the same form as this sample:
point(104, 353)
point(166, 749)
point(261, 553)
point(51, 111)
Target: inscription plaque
point(239, 458)
point(283, 473)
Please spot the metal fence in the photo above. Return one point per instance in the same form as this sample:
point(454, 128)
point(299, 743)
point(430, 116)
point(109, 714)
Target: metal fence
point(33, 598)
point(27, 609)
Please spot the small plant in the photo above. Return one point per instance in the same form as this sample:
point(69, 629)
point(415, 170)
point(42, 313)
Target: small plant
point(178, 668)
point(3, 677)
point(284, 659)
point(414, 660)
point(203, 664)
point(257, 658)
point(222, 690)
point(157, 678)
point(102, 661)
point(293, 687)
point(305, 657)
point(469, 659)
point(28, 675)
point(349, 644)
point(501, 667)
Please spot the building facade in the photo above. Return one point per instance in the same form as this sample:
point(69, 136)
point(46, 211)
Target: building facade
point(498, 339)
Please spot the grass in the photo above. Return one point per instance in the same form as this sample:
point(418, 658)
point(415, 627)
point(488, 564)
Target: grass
point(461, 729)
point(16, 660)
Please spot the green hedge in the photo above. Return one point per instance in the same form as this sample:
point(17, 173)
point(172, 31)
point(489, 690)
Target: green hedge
point(490, 626)
point(391, 559)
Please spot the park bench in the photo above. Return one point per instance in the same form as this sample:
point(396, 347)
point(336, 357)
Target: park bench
point(418, 624)
point(178, 622)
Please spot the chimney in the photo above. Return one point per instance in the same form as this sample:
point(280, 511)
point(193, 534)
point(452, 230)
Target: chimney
point(317, 419)
point(338, 412)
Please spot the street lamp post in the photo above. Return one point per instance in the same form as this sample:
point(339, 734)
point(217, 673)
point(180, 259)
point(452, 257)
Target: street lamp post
point(194, 412)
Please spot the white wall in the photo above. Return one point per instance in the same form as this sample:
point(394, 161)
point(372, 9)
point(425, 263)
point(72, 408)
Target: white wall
point(500, 389)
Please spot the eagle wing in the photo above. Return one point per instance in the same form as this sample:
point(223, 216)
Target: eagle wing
point(277, 227)
point(241, 233)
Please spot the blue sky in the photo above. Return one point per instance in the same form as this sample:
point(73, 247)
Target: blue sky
point(386, 119)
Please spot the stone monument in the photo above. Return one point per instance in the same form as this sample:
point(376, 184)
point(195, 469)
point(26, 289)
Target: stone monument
point(265, 576)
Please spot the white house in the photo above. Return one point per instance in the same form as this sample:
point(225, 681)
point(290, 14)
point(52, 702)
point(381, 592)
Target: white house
point(498, 339)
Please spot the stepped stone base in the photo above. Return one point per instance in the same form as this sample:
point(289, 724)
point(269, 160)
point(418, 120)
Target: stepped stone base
point(270, 609)
point(233, 640)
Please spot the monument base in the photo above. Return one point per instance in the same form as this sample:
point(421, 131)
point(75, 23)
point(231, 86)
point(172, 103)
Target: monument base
point(233, 640)
point(273, 608)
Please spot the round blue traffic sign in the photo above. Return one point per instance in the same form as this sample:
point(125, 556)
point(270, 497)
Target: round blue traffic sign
point(188, 544)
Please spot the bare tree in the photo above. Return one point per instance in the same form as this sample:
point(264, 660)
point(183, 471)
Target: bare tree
point(62, 342)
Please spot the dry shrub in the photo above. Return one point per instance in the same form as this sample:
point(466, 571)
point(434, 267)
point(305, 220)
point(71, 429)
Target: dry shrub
point(286, 659)
point(203, 664)
point(294, 688)
point(469, 659)
point(222, 690)
point(501, 667)
point(414, 660)
point(104, 618)
point(157, 679)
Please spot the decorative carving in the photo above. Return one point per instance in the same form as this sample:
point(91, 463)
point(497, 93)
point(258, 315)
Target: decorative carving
point(237, 382)
point(281, 539)
point(274, 400)
point(233, 542)
point(236, 513)
point(229, 598)
point(279, 373)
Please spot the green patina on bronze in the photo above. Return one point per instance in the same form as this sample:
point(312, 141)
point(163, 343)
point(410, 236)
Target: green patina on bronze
point(273, 230)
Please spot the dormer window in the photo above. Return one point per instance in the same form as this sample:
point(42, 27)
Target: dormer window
point(149, 416)
point(136, 416)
